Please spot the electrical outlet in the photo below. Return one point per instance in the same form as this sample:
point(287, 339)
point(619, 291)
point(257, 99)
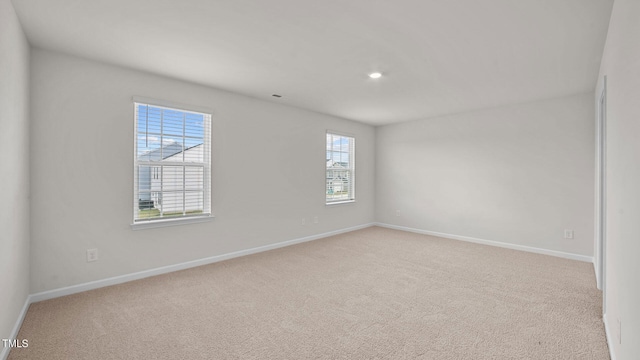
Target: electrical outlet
point(304, 222)
point(568, 234)
point(315, 219)
point(397, 212)
point(92, 255)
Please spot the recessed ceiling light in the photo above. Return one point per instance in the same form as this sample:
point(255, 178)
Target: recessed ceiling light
point(375, 75)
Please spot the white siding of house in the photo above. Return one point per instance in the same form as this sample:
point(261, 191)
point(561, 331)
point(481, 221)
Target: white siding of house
point(170, 181)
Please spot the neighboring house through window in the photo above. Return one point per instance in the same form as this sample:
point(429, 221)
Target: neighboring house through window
point(340, 174)
point(172, 175)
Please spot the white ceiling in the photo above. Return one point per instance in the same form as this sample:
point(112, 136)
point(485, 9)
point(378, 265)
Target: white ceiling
point(437, 56)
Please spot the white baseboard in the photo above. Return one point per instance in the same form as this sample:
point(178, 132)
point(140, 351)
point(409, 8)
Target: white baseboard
point(50, 294)
point(612, 355)
point(4, 352)
point(492, 243)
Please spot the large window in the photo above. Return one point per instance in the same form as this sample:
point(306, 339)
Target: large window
point(340, 179)
point(172, 163)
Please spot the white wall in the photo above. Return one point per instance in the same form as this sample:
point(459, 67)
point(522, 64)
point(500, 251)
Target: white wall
point(621, 65)
point(519, 174)
point(268, 172)
point(14, 171)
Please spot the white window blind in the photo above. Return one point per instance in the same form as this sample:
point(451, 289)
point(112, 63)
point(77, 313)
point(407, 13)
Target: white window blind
point(172, 163)
point(340, 179)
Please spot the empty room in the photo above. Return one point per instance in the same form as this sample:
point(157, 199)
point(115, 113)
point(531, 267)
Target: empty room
point(218, 179)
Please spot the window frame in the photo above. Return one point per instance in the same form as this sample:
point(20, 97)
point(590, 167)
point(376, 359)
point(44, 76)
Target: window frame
point(351, 198)
point(206, 215)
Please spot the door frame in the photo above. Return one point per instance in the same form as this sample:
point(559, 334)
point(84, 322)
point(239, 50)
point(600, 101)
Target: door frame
point(601, 194)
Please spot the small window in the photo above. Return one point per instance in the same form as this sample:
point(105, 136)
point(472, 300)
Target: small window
point(340, 179)
point(172, 163)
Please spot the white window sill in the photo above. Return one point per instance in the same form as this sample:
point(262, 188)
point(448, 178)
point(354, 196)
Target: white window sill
point(340, 202)
point(151, 224)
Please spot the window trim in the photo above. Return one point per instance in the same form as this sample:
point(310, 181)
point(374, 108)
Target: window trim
point(343, 202)
point(139, 224)
point(352, 168)
point(171, 104)
point(171, 222)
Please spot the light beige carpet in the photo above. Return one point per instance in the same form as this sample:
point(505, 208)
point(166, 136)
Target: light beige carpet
point(369, 294)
